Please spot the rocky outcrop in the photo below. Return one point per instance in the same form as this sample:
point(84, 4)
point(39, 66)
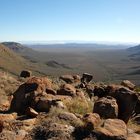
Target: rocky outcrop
point(106, 107)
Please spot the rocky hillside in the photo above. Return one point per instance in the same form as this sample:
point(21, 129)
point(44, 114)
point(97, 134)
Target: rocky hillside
point(13, 63)
point(71, 107)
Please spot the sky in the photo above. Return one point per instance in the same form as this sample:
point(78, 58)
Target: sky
point(70, 20)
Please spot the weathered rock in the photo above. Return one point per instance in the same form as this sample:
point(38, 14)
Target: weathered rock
point(50, 91)
point(86, 78)
point(43, 105)
point(25, 95)
point(128, 84)
point(112, 129)
point(67, 78)
point(126, 100)
point(25, 73)
point(68, 90)
point(41, 82)
point(100, 91)
point(31, 112)
point(91, 120)
point(70, 78)
point(106, 107)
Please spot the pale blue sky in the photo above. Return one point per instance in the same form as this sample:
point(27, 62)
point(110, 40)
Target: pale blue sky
point(83, 20)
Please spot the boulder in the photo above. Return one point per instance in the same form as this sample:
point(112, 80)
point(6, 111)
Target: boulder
point(126, 100)
point(41, 82)
point(91, 120)
point(100, 91)
point(68, 90)
point(70, 78)
point(86, 78)
point(112, 129)
point(128, 84)
point(43, 105)
point(31, 112)
point(106, 107)
point(67, 78)
point(28, 93)
point(25, 73)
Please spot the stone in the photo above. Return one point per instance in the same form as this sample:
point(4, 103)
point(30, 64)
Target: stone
point(126, 99)
point(68, 90)
point(106, 107)
point(112, 129)
point(91, 120)
point(67, 78)
point(128, 84)
point(31, 112)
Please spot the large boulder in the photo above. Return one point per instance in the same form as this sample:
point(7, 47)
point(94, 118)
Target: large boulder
point(68, 90)
point(106, 107)
point(126, 100)
point(28, 93)
point(111, 129)
point(128, 84)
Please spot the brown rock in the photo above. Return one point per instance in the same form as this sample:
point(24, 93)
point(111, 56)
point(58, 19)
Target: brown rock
point(68, 90)
point(67, 78)
point(43, 105)
point(28, 93)
point(41, 82)
point(128, 84)
point(112, 129)
point(91, 120)
point(31, 112)
point(126, 100)
point(106, 107)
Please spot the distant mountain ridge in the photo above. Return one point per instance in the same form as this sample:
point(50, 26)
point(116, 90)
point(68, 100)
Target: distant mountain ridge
point(135, 48)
